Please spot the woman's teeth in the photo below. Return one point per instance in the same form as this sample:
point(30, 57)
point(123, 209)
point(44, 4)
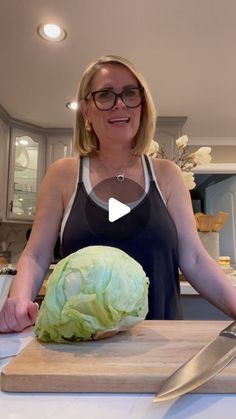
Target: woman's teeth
point(118, 120)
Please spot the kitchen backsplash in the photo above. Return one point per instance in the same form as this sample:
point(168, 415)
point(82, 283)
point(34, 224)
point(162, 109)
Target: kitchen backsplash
point(14, 236)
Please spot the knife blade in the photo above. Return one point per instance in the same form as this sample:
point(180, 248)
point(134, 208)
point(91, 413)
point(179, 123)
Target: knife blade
point(201, 367)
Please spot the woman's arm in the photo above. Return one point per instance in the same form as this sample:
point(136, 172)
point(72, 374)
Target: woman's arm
point(19, 310)
point(195, 263)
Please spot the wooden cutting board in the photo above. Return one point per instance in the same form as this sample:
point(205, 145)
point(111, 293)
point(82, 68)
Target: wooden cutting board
point(136, 361)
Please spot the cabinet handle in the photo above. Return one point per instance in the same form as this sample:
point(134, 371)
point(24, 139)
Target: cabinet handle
point(11, 206)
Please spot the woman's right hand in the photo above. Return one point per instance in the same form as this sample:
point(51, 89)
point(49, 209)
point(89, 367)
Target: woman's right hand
point(17, 314)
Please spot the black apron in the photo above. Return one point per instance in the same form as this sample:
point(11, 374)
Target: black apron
point(155, 247)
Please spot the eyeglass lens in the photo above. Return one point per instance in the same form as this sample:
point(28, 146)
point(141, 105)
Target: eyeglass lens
point(106, 99)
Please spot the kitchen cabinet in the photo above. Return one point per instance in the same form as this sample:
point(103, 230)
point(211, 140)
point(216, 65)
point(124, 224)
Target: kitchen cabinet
point(58, 146)
point(26, 151)
point(30, 153)
point(221, 196)
point(26, 169)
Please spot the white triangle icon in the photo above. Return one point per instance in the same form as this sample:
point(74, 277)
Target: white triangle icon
point(116, 209)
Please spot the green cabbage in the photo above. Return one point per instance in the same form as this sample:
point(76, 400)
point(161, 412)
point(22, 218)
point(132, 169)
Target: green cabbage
point(94, 291)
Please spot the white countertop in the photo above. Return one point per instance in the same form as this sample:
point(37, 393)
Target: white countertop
point(185, 287)
point(106, 406)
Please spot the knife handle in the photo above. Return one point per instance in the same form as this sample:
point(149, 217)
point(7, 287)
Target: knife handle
point(230, 331)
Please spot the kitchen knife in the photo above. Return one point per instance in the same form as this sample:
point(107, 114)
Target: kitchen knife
point(204, 365)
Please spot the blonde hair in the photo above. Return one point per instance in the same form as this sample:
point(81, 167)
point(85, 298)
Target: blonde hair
point(86, 142)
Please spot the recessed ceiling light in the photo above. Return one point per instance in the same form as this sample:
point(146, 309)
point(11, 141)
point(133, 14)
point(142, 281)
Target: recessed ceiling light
point(73, 106)
point(51, 32)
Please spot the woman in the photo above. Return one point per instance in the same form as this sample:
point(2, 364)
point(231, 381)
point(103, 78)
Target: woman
point(114, 126)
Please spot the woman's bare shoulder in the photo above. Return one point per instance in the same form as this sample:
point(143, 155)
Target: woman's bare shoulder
point(166, 170)
point(66, 166)
point(164, 166)
point(61, 177)
point(168, 175)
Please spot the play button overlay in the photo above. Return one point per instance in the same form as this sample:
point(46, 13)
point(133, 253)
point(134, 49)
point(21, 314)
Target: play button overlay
point(116, 209)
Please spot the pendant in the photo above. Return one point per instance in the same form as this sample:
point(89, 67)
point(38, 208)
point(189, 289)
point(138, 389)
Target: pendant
point(120, 178)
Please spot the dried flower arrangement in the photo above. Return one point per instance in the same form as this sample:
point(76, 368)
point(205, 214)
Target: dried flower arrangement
point(186, 160)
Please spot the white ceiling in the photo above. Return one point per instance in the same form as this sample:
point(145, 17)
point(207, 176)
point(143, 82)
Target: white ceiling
point(185, 49)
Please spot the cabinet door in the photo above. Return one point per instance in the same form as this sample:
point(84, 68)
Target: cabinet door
point(222, 197)
point(58, 147)
point(27, 165)
point(4, 146)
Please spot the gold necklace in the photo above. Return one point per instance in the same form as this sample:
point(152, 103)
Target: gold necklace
point(121, 176)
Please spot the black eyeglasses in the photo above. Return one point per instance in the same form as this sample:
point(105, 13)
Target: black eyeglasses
point(105, 99)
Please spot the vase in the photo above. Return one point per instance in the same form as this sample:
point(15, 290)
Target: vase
point(211, 242)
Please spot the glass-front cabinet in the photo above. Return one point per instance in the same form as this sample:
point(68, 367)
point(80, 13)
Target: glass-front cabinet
point(27, 166)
